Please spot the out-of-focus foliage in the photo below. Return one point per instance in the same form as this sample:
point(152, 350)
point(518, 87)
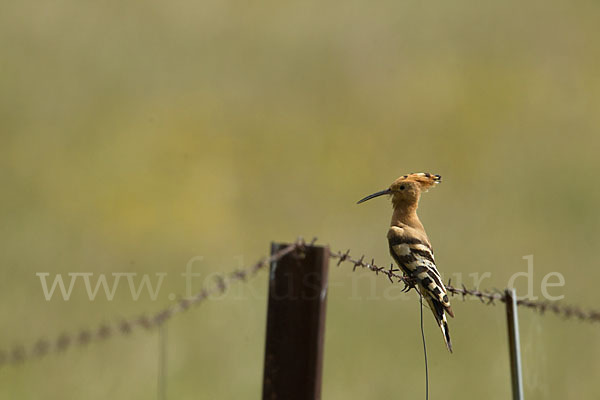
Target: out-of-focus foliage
point(137, 135)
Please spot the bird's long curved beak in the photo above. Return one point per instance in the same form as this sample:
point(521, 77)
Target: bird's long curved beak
point(372, 196)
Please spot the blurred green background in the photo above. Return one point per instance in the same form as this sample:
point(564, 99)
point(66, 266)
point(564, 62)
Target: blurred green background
point(137, 135)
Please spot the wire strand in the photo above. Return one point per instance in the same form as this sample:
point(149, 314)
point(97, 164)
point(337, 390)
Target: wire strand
point(569, 312)
point(424, 350)
point(161, 380)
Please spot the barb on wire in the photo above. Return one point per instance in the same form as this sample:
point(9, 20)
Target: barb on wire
point(19, 354)
point(486, 297)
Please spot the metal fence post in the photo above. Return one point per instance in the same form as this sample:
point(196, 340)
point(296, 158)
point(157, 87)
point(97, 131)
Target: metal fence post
point(296, 324)
point(514, 346)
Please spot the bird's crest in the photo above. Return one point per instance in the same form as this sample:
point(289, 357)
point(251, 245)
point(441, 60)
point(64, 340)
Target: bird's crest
point(424, 179)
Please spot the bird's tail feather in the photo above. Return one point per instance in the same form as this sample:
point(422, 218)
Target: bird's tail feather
point(440, 316)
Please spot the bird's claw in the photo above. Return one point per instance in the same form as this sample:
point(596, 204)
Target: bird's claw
point(409, 283)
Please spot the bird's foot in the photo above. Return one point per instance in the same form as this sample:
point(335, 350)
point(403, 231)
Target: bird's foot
point(409, 283)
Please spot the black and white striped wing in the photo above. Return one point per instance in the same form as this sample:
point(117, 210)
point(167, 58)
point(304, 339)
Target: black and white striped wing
point(416, 259)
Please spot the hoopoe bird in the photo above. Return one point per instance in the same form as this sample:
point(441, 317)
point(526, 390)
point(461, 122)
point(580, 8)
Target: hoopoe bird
point(410, 246)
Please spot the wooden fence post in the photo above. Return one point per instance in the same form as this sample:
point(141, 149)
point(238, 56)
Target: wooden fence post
point(296, 324)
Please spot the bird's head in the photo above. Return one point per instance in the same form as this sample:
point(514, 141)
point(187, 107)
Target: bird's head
point(407, 189)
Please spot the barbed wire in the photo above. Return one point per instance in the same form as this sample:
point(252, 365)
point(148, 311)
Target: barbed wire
point(19, 354)
point(486, 297)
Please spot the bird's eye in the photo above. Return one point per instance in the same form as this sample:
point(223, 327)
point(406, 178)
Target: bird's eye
point(401, 187)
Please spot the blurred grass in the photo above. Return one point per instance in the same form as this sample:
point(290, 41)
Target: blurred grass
point(138, 135)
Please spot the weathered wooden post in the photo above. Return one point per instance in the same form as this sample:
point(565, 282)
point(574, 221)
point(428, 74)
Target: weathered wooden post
point(296, 324)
